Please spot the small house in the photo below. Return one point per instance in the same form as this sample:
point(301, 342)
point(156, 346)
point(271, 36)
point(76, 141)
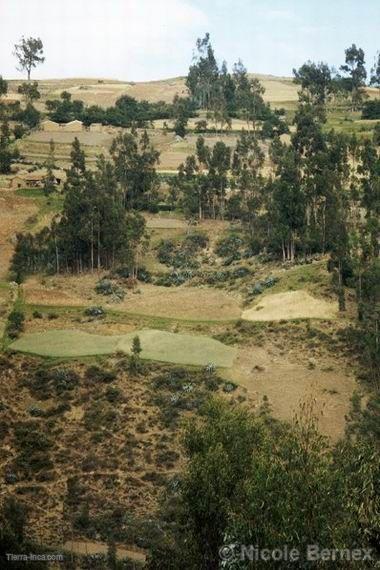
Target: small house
point(49, 126)
point(36, 179)
point(73, 126)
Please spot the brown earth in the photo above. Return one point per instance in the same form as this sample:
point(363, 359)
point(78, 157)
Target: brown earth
point(193, 303)
point(14, 211)
point(288, 381)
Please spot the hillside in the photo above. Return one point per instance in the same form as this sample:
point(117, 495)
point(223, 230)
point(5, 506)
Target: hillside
point(280, 91)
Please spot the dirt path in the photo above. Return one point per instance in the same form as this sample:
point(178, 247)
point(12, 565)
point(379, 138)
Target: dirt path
point(93, 547)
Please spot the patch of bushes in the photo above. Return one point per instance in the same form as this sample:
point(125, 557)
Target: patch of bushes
point(101, 415)
point(175, 278)
point(57, 381)
point(229, 247)
point(113, 394)
point(260, 286)
point(167, 458)
point(222, 276)
point(97, 374)
point(33, 447)
point(183, 254)
point(107, 288)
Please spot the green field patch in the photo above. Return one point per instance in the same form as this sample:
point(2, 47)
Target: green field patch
point(65, 343)
point(156, 345)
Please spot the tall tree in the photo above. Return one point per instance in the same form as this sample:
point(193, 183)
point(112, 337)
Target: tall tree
point(135, 161)
point(354, 67)
point(315, 81)
point(203, 72)
point(29, 53)
point(288, 215)
point(375, 72)
point(250, 104)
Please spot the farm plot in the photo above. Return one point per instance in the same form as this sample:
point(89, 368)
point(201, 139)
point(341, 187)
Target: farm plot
point(156, 345)
point(290, 305)
point(189, 303)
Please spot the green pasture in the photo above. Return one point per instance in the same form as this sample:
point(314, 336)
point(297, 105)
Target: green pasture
point(156, 345)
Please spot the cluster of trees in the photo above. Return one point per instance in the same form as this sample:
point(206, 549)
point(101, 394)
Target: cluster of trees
point(99, 226)
point(224, 95)
point(252, 481)
point(126, 112)
point(322, 83)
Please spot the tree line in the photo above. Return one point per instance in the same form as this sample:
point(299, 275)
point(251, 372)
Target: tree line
point(126, 112)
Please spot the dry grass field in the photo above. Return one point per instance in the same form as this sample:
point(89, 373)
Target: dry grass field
point(278, 90)
point(290, 305)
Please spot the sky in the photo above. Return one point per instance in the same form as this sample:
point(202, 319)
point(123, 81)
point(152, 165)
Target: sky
point(141, 40)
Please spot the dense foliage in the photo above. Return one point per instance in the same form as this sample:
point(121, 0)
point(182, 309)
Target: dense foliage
point(253, 481)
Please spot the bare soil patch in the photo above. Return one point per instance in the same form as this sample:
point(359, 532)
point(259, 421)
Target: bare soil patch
point(288, 382)
point(290, 305)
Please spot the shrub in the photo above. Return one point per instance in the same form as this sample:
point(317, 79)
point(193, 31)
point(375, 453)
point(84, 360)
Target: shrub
point(98, 374)
point(260, 286)
point(52, 316)
point(183, 254)
point(64, 379)
point(113, 394)
point(196, 241)
point(229, 387)
point(108, 288)
point(37, 315)
point(144, 275)
point(15, 323)
point(229, 247)
point(95, 312)
point(175, 278)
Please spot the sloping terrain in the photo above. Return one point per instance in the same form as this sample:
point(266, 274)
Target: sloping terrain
point(290, 305)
